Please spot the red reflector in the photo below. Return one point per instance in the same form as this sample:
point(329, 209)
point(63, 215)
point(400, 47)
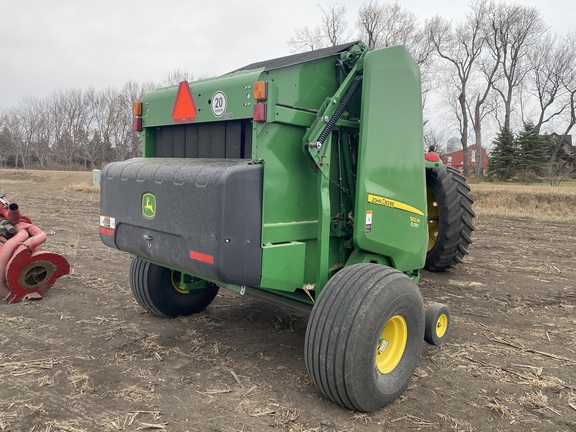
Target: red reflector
point(259, 113)
point(184, 109)
point(137, 124)
point(431, 157)
point(202, 257)
point(107, 231)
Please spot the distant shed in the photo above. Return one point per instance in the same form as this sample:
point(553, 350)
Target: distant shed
point(456, 158)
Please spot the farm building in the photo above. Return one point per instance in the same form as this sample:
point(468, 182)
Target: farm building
point(456, 158)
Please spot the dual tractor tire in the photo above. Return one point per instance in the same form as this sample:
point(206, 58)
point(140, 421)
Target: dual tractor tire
point(156, 289)
point(450, 218)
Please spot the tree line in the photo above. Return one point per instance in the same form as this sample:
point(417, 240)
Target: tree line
point(75, 128)
point(498, 69)
point(72, 128)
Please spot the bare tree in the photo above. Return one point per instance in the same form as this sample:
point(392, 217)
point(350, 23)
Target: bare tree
point(306, 39)
point(72, 122)
point(479, 105)
point(334, 25)
point(460, 48)
point(552, 62)
point(42, 133)
point(515, 30)
point(435, 140)
point(556, 169)
point(125, 142)
point(16, 142)
point(399, 25)
point(333, 31)
point(371, 23)
point(384, 25)
point(176, 76)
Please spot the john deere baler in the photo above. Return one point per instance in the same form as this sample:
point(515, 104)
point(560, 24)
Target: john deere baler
point(300, 179)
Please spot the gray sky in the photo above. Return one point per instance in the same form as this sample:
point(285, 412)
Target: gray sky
point(50, 45)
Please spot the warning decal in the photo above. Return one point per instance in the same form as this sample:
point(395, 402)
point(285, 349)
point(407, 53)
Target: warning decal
point(368, 221)
point(184, 109)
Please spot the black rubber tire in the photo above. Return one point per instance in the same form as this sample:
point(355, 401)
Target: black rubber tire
point(344, 331)
point(437, 326)
point(153, 289)
point(455, 219)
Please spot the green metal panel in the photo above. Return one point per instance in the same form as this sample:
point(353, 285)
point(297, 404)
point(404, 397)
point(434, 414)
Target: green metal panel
point(148, 138)
point(283, 266)
point(237, 88)
point(390, 215)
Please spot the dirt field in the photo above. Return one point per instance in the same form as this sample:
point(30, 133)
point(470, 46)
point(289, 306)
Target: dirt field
point(88, 358)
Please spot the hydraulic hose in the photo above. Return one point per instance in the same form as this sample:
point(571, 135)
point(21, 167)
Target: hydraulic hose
point(7, 251)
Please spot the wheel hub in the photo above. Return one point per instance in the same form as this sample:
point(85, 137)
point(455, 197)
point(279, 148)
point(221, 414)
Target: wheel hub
point(392, 344)
point(441, 325)
point(433, 217)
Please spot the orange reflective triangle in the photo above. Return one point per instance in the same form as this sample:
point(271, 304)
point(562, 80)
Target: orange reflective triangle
point(184, 110)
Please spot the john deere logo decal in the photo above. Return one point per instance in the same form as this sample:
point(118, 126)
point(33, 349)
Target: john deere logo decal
point(149, 205)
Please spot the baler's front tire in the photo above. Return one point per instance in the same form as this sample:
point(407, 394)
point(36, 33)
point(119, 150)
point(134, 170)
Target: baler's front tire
point(450, 218)
point(364, 336)
point(154, 287)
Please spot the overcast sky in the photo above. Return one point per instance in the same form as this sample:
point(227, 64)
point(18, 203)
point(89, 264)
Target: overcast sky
point(50, 45)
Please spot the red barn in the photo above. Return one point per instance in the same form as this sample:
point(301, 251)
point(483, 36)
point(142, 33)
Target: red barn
point(455, 159)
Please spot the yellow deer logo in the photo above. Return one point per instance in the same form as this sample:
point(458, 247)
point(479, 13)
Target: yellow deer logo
point(148, 205)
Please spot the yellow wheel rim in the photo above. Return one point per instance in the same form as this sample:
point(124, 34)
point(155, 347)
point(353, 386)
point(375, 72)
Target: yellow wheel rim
point(392, 344)
point(441, 325)
point(175, 278)
point(433, 217)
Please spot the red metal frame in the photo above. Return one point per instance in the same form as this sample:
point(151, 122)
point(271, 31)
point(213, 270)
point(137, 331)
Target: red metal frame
point(25, 272)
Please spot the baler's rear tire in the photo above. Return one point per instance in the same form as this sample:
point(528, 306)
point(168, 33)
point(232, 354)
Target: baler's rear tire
point(364, 336)
point(154, 288)
point(450, 218)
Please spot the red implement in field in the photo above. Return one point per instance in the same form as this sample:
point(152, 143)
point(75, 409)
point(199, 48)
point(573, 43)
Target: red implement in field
point(25, 272)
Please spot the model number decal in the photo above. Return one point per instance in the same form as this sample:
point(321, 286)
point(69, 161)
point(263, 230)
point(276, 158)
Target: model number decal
point(387, 202)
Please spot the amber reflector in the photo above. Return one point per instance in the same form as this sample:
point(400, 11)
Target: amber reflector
point(260, 90)
point(137, 108)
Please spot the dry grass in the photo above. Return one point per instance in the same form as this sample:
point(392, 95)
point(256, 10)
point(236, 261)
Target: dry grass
point(8, 176)
point(82, 187)
point(538, 202)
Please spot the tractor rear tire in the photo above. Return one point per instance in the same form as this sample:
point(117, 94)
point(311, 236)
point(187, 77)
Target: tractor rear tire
point(450, 218)
point(365, 336)
point(154, 288)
